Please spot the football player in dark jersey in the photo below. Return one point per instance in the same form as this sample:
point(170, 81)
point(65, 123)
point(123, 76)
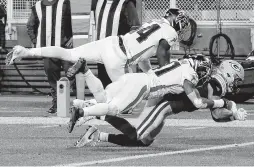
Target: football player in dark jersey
point(224, 78)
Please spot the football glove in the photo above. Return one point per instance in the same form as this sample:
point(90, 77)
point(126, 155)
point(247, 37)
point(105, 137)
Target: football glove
point(240, 114)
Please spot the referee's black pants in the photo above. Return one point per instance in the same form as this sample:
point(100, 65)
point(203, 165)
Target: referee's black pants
point(2, 35)
point(53, 68)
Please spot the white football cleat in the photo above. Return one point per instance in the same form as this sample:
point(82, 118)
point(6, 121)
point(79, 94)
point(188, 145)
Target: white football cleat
point(91, 136)
point(9, 58)
point(16, 54)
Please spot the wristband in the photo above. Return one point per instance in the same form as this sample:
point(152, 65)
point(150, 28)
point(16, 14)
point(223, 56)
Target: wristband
point(225, 103)
point(218, 103)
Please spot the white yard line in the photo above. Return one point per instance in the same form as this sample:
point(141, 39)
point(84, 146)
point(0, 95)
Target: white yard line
point(19, 111)
point(169, 122)
point(47, 126)
point(193, 128)
point(158, 154)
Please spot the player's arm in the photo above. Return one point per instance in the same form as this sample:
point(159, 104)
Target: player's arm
point(223, 114)
point(67, 25)
point(162, 53)
point(198, 101)
point(132, 15)
point(32, 26)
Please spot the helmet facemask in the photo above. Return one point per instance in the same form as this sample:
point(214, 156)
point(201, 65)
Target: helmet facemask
point(233, 84)
point(202, 66)
point(184, 26)
point(203, 72)
point(179, 20)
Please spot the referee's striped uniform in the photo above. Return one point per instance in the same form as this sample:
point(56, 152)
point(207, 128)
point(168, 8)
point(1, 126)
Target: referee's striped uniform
point(113, 17)
point(3, 17)
point(50, 24)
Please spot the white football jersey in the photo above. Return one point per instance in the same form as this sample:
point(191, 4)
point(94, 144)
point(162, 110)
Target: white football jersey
point(142, 43)
point(170, 79)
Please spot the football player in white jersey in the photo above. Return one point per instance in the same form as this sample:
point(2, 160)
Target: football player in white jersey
point(151, 121)
point(125, 93)
point(118, 52)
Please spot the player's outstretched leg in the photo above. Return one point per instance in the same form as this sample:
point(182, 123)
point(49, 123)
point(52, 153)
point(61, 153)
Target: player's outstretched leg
point(79, 66)
point(91, 135)
point(75, 115)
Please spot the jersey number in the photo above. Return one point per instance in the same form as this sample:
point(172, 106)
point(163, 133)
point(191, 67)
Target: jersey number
point(170, 67)
point(145, 32)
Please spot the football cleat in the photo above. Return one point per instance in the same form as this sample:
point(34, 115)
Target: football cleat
point(91, 136)
point(10, 57)
point(79, 66)
point(53, 109)
point(75, 115)
point(16, 54)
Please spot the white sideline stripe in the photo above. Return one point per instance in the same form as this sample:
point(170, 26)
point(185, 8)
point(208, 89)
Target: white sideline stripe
point(81, 17)
point(158, 154)
point(169, 122)
point(19, 111)
point(47, 126)
point(192, 128)
point(80, 36)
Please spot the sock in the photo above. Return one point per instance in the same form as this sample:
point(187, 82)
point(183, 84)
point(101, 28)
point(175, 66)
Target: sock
point(101, 117)
point(95, 86)
point(124, 140)
point(96, 110)
point(103, 136)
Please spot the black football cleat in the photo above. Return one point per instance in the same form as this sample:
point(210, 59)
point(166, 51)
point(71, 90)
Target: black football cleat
point(75, 115)
point(52, 110)
point(79, 66)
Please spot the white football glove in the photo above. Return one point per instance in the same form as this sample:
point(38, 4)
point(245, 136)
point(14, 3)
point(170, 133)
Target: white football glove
point(240, 114)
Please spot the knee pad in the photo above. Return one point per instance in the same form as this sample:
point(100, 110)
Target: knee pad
point(113, 110)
